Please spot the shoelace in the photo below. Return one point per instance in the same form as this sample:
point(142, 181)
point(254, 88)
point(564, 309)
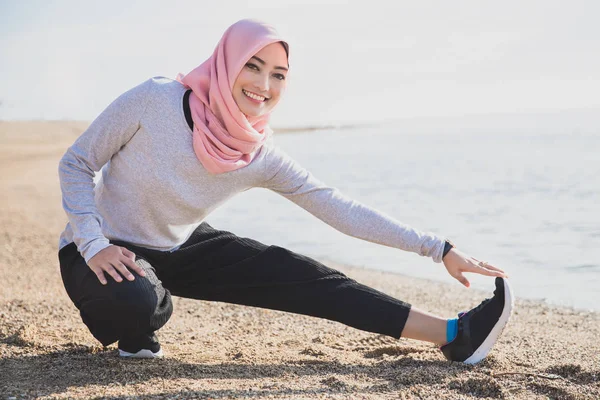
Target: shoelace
point(480, 306)
point(474, 310)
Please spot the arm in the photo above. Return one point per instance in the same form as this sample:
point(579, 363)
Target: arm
point(285, 177)
point(110, 131)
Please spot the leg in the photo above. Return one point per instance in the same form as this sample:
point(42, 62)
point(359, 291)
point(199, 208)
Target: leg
point(421, 325)
point(116, 310)
point(219, 266)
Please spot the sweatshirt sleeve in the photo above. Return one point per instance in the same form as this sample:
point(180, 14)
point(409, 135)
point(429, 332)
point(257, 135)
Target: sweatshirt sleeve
point(110, 131)
point(286, 177)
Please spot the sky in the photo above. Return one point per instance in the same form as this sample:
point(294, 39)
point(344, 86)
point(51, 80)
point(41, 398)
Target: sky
point(350, 61)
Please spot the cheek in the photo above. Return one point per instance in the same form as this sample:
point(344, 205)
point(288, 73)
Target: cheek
point(241, 80)
point(279, 88)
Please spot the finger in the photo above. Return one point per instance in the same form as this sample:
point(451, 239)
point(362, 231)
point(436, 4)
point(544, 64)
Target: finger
point(124, 271)
point(100, 274)
point(128, 253)
point(113, 272)
point(490, 268)
point(488, 272)
point(486, 265)
point(493, 268)
point(497, 272)
point(462, 279)
point(135, 267)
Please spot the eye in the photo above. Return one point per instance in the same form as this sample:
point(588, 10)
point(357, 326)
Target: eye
point(252, 66)
point(281, 77)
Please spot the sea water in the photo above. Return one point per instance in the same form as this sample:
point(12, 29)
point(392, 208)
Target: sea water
point(527, 202)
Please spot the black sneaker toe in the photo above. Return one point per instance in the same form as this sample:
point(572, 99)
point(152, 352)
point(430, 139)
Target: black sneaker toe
point(479, 329)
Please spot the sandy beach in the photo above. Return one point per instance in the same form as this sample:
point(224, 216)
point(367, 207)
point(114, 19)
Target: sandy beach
point(217, 350)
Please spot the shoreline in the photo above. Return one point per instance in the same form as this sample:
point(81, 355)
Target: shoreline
point(219, 350)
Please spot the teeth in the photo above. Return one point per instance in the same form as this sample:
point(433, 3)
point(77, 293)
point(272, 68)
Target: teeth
point(254, 96)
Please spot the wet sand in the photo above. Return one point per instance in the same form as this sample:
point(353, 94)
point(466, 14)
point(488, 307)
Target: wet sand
point(217, 350)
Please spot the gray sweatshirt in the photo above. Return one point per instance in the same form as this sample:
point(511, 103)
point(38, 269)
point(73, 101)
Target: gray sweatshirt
point(153, 191)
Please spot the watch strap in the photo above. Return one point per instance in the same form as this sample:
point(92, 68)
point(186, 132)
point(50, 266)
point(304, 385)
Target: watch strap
point(447, 246)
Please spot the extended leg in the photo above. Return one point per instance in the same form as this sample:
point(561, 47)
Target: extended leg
point(220, 266)
point(424, 326)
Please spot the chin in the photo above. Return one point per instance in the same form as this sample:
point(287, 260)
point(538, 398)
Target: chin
point(252, 112)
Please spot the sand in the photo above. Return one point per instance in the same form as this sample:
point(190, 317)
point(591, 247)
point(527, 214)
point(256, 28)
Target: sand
point(217, 350)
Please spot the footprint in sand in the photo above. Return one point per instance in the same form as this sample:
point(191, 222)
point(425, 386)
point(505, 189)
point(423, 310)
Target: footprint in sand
point(312, 352)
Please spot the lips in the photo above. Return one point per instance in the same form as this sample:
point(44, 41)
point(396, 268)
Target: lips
point(254, 96)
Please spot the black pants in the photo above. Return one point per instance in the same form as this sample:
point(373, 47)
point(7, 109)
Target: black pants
point(220, 266)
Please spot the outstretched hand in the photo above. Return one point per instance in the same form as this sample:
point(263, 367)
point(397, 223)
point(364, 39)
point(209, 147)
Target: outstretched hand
point(456, 262)
point(115, 261)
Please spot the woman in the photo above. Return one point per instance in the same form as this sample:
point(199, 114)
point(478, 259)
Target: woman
point(173, 151)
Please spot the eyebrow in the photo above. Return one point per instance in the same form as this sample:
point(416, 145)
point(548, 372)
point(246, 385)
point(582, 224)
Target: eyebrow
point(263, 63)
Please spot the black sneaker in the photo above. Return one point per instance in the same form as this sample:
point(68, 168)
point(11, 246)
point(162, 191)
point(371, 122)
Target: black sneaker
point(479, 329)
point(143, 346)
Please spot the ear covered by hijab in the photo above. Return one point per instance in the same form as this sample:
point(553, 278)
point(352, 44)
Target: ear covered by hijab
point(224, 138)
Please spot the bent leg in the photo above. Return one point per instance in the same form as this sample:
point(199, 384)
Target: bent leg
point(115, 310)
point(220, 266)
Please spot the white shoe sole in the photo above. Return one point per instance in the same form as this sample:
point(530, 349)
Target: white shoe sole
point(144, 353)
point(489, 342)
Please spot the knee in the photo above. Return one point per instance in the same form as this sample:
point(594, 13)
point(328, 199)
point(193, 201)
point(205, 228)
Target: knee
point(108, 320)
point(137, 300)
point(124, 303)
point(119, 308)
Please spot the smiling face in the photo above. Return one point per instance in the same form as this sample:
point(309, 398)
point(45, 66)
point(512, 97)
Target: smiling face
point(262, 81)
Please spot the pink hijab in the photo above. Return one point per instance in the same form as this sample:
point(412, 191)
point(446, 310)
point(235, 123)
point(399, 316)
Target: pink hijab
point(224, 138)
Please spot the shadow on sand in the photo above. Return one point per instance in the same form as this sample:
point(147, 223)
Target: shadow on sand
point(53, 373)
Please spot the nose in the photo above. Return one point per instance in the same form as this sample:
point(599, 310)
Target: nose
point(262, 82)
